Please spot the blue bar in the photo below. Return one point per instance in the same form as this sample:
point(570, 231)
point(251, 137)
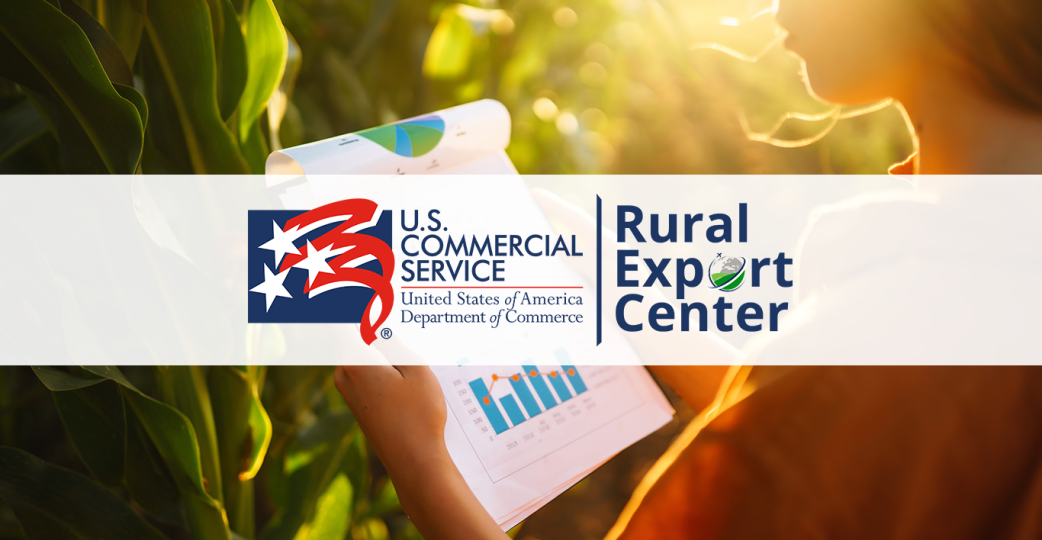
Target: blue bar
point(513, 411)
point(576, 380)
point(527, 399)
point(573, 374)
point(541, 388)
point(562, 389)
point(491, 411)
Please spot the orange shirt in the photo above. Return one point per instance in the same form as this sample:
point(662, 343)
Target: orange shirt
point(827, 452)
point(856, 453)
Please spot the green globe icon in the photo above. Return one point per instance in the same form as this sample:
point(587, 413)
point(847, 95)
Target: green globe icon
point(726, 273)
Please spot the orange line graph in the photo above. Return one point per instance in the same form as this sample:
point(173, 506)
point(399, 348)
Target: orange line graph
point(517, 376)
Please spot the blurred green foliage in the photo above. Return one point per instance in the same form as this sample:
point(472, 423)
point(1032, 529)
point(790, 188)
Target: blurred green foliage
point(160, 448)
point(593, 86)
point(133, 461)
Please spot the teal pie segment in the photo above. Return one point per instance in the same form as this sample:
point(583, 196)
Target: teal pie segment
point(409, 138)
point(402, 144)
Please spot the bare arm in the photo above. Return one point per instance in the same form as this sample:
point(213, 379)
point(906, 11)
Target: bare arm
point(409, 439)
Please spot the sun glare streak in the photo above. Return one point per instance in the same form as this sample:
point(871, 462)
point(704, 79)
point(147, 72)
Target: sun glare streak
point(769, 138)
point(736, 54)
point(833, 115)
point(860, 110)
point(765, 11)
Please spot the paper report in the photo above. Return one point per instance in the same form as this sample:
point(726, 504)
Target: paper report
point(519, 434)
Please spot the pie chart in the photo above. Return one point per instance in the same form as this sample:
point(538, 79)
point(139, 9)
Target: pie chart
point(408, 138)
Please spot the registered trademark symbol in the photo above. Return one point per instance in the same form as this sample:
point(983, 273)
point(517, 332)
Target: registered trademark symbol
point(386, 333)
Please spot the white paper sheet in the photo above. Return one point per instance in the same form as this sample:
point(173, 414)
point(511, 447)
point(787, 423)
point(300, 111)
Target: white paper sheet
point(519, 434)
point(548, 449)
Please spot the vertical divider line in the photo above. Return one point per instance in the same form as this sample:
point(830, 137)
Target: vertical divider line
point(599, 306)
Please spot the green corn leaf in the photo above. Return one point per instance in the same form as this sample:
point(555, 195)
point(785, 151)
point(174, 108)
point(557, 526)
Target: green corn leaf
point(230, 391)
point(182, 41)
point(266, 45)
point(231, 63)
point(386, 500)
point(57, 504)
point(184, 387)
point(125, 21)
point(243, 444)
point(174, 438)
point(93, 418)
point(57, 380)
point(135, 97)
point(449, 49)
point(311, 464)
point(175, 441)
point(260, 438)
point(48, 53)
point(294, 385)
point(242, 517)
point(280, 98)
point(255, 148)
point(108, 51)
point(147, 477)
point(370, 529)
point(79, 155)
point(332, 512)
point(356, 462)
point(216, 24)
point(112, 373)
point(166, 150)
point(170, 430)
point(19, 126)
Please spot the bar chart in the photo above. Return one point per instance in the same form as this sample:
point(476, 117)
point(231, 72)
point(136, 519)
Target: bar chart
point(523, 393)
point(512, 415)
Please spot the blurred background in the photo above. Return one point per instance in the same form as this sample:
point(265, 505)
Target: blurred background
point(593, 86)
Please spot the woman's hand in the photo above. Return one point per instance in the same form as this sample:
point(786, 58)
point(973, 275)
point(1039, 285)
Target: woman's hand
point(401, 409)
point(402, 412)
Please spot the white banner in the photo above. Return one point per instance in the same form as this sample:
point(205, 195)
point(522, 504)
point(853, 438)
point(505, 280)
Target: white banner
point(510, 270)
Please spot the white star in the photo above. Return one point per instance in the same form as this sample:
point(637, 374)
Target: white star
point(272, 286)
point(315, 261)
point(281, 243)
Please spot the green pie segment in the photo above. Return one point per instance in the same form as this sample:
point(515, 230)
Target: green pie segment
point(410, 138)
